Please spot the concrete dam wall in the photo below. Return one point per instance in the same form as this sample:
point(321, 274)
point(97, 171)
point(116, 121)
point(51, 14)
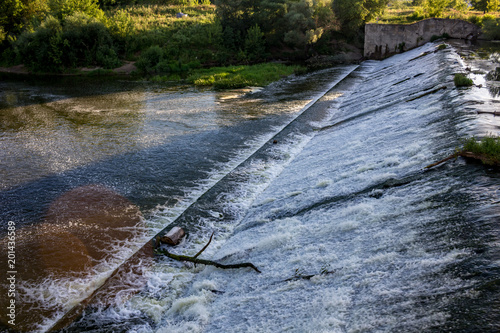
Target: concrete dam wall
point(383, 40)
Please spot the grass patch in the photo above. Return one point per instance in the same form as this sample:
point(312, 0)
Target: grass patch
point(461, 80)
point(488, 149)
point(410, 14)
point(241, 76)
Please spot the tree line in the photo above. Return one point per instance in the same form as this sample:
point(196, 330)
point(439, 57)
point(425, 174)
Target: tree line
point(56, 35)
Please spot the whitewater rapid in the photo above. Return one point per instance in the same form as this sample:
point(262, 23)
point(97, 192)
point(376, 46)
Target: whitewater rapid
point(353, 236)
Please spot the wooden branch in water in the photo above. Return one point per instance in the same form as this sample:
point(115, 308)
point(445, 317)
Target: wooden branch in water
point(495, 113)
point(467, 154)
point(443, 160)
point(203, 249)
point(427, 93)
point(205, 262)
point(488, 160)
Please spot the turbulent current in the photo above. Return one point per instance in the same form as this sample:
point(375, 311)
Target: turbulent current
point(318, 181)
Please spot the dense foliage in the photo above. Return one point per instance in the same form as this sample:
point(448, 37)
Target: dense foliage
point(69, 33)
point(488, 149)
point(58, 35)
point(353, 13)
point(18, 15)
point(296, 24)
point(81, 40)
point(461, 80)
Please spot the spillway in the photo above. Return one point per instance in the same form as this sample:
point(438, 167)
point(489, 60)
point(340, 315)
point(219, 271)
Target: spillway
point(332, 204)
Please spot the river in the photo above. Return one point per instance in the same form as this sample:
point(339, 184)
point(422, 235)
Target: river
point(317, 180)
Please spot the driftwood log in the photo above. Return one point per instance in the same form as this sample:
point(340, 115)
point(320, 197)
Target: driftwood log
point(195, 259)
point(206, 262)
point(443, 160)
point(174, 236)
point(467, 154)
point(426, 93)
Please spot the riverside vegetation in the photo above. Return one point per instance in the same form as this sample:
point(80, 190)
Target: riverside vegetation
point(59, 36)
point(486, 150)
point(461, 80)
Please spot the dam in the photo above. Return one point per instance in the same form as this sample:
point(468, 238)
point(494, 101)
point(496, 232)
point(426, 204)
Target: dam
point(317, 181)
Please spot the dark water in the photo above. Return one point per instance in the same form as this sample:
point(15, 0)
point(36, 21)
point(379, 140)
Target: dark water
point(351, 235)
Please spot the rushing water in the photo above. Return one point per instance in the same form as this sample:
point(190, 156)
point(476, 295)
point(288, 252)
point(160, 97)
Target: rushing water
point(316, 180)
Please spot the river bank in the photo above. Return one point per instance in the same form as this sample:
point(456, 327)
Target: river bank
point(228, 77)
point(126, 69)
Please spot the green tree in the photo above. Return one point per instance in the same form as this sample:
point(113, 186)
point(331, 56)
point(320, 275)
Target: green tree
point(352, 14)
point(324, 16)
point(460, 5)
point(255, 47)
point(63, 8)
point(481, 5)
point(81, 41)
point(238, 14)
point(41, 50)
point(493, 5)
point(87, 42)
point(11, 16)
point(435, 8)
point(293, 22)
point(301, 31)
point(16, 15)
point(491, 30)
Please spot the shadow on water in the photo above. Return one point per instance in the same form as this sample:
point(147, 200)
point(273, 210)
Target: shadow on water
point(25, 90)
point(148, 178)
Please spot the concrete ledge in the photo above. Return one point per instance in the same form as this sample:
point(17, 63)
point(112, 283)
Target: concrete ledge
point(384, 40)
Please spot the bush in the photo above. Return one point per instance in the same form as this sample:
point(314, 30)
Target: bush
point(491, 29)
point(81, 41)
point(63, 8)
point(87, 42)
point(254, 43)
point(488, 148)
point(41, 50)
point(435, 8)
point(477, 20)
point(488, 17)
point(155, 61)
point(121, 27)
point(149, 59)
point(417, 15)
point(461, 80)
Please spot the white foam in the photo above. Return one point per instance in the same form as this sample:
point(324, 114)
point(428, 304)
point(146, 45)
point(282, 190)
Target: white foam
point(373, 247)
point(343, 261)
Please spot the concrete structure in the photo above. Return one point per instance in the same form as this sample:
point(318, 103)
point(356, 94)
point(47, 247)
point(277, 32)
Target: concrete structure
point(383, 40)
